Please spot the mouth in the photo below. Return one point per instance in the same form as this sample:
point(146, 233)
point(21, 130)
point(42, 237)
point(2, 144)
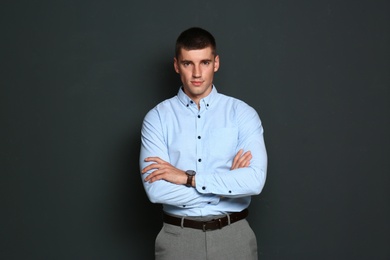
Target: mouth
point(196, 83)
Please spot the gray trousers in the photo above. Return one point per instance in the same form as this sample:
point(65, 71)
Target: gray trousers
point(235, 242)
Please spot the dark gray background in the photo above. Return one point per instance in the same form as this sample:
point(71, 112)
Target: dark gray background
point(77, 78)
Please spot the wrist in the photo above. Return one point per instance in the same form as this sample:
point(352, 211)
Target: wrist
point(193, 183)
point(190, 178)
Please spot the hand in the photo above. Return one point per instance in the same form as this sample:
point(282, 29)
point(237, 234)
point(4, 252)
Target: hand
point(163, 171)
point(241, 160)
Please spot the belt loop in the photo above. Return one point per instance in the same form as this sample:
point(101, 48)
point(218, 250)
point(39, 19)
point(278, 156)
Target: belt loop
point(228, 217)
point(182, 222)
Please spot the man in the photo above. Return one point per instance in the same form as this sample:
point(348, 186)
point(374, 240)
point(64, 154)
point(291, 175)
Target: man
point(202, 157)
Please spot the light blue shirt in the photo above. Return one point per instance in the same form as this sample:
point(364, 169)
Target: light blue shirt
point(204, 140)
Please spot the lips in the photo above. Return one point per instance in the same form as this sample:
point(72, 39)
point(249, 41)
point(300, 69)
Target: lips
point(196, 83)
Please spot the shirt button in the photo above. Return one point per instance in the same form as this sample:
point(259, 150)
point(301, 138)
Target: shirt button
point(198, 116)
point(209, 202)
point(203, 188)
point(188, 105)
point(230, 191)
point(184, 206)
point(199, 137)
point(191, 102)
point(199, 160)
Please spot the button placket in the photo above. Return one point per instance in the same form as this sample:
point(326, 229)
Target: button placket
point(199, 129)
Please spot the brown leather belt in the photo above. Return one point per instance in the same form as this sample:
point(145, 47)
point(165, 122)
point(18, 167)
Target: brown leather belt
point(213, 224)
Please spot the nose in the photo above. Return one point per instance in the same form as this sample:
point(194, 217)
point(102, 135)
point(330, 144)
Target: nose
point(196, 72)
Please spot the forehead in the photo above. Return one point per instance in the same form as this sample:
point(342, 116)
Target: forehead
point(200, 54)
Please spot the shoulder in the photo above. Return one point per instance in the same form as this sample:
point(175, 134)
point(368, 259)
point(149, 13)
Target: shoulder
point(242, 112)
point(170, 102)
point(234, 103)
point(163, 107)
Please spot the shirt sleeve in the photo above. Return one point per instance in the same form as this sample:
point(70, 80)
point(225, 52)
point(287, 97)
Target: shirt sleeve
point(244, 181)
point(153, 144)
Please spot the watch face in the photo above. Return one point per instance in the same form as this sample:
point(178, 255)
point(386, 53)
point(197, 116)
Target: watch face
point(191, 172)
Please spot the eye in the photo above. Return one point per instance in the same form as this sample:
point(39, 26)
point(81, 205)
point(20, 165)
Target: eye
point(206, 62)
point(186, 64)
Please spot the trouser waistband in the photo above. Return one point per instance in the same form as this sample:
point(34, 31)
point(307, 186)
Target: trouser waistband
point(213, 224)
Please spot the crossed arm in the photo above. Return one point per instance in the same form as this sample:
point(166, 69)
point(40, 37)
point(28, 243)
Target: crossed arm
point(163, 172)
point(166, 171)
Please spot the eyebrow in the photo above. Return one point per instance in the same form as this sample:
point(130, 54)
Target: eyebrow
point(189, 61)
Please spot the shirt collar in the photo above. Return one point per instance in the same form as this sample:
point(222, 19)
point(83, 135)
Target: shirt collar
point(206, 102)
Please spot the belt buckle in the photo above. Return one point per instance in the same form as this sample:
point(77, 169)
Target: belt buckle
point(212, 221)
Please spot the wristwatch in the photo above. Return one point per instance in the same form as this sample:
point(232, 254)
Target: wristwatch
point(190, 176)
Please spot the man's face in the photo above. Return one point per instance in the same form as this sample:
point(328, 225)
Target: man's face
point(196, 69)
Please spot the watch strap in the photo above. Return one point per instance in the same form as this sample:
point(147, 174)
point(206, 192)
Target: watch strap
point(189, 180)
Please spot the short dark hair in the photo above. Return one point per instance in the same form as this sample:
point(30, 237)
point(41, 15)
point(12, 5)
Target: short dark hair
point(195, 38)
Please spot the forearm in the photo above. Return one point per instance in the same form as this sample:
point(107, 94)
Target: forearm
point(164, 192)
point(237, 183)
point(246, 181)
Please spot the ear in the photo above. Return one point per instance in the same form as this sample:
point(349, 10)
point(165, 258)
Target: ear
point(176, 65)
point(216, 63)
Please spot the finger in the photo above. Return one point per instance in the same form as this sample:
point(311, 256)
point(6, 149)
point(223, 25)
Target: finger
point(154, 159)
point(236, 159)
point(244, 160)
point(247, 162)
point(149, 167)
point(153, 176)
point(152, 166)
point(248, 158)
point(156, 176)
